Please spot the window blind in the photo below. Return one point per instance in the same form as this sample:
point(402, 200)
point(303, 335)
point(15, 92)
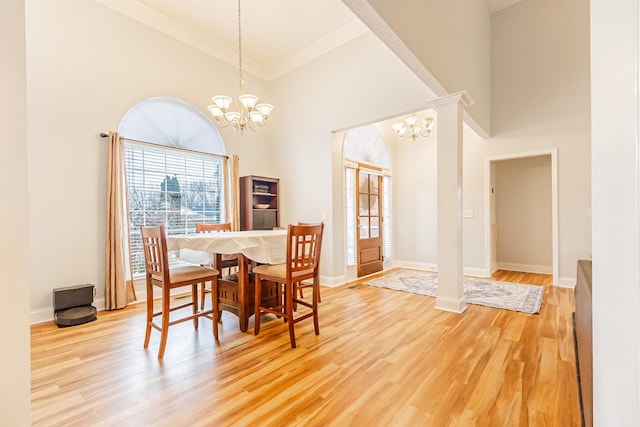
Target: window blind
point(177, 188)
point(350, 190)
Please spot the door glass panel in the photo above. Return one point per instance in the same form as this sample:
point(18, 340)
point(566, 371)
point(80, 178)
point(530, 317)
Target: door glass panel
point(375, 226)
point(373, 208)
point(364, 205)
point(364, 227)
point(363, 185)
point(373, 184)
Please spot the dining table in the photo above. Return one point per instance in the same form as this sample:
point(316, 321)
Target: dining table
point(259, 246)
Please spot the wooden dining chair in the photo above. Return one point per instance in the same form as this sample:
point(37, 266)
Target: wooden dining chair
point(304, 243)
point(219, 261)
point(159, 274)
point(307, 284)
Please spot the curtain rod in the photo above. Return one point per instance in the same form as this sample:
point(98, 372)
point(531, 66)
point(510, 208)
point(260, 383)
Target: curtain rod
point(224, 156)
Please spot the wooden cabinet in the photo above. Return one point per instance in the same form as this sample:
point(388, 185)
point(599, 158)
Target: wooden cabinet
point(259, 205)
point(583, 334)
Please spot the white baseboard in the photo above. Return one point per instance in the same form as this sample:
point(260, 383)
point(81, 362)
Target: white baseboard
point(475, 272)
point(467, 271)
point(415, 265)
point(567, 282)
point(332, 282)
point(41, 315)
point(529, 268)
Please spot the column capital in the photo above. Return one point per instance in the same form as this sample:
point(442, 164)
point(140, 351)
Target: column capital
point(461, 97)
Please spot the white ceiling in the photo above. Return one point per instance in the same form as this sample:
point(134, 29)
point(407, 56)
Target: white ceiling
point(277, 35)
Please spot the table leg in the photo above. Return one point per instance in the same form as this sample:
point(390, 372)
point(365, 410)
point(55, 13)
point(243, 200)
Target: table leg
point(243, 291)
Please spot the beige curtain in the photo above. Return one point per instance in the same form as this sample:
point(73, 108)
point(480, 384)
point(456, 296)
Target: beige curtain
point(119, 290)
point(235, 193)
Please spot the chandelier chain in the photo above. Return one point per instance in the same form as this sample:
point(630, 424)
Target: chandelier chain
point(241, 81)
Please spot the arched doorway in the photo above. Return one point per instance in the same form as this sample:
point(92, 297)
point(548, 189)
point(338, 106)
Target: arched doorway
point(367, 165)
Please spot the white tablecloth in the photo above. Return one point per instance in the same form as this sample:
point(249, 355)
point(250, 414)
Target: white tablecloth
point(263, 246)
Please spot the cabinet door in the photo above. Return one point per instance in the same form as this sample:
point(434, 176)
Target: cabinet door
point(264, 219)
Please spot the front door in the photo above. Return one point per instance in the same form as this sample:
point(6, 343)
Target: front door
point(369, 222)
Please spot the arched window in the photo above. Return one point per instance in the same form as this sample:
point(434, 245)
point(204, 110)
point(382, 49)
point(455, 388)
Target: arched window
point(176, 169)
point(172, 123)
point(367, 145)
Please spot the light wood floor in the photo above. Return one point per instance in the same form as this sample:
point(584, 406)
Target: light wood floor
point(383, 358)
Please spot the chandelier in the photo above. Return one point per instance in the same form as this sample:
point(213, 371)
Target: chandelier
point(248, 113)
point(411, 128)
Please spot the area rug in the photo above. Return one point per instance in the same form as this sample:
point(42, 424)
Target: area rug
point(490, 293)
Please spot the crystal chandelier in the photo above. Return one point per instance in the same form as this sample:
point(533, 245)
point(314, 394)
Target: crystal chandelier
point(249, 113)
point(410, 127)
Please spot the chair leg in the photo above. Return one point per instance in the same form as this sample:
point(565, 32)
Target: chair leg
point(147, 335)
point(280, 294)
point(194, 304)
point(296, 287)
point(302, 295)
point(164, 331)
point(214, 305)
point(289, 290)
point(257, 302)
point(315, 301)
point(203, 291)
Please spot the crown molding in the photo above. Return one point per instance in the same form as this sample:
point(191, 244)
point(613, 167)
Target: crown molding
point(196, 39)
point(337, 38)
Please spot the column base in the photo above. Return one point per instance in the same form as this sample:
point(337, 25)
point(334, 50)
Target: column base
point(450, 304)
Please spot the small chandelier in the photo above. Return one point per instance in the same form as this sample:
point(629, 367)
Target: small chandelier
point(409, 127)
point(249, 113)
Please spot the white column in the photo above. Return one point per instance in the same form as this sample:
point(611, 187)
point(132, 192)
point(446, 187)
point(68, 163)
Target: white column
point(450, 112)
point(615, 174)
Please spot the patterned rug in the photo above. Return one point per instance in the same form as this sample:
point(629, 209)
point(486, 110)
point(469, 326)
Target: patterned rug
point(490, 293)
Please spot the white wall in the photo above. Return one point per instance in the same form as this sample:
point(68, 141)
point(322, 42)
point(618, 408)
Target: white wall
point(415, 188)
point(616, 219)
point(452, 39)
point(523, 214)
point(86, 66)
point(15, 396)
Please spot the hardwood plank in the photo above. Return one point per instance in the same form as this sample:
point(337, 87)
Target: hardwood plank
point(383, 357)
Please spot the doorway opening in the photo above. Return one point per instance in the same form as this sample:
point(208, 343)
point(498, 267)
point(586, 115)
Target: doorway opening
point(522, 213)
